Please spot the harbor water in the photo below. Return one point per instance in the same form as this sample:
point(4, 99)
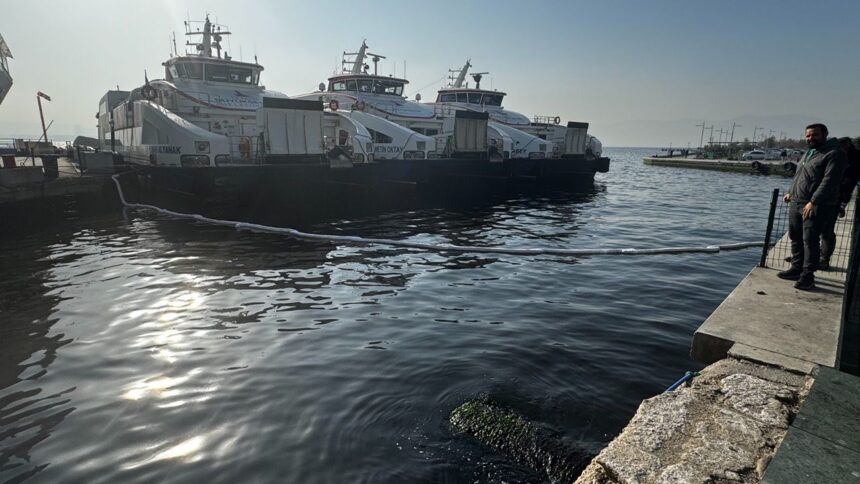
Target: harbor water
point(136, 348)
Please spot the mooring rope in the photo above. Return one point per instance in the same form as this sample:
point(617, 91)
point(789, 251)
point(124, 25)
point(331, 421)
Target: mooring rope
point(710, 249)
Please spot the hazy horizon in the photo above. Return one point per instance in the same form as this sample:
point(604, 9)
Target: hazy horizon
point(642, 74)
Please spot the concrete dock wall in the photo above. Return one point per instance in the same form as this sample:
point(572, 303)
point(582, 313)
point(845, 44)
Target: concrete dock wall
point(765, 167)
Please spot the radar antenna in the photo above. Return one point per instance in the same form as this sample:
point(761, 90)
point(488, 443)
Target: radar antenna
point(477, 77)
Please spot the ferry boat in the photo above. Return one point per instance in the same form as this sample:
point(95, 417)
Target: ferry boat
point(513, 142)
point(401, 129)
point(5, 76)
point(209, 128)
point(205, 112)
point(459, 95)
point(555, 142)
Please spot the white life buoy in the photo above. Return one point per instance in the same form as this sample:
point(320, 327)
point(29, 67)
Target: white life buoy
point(557, 120)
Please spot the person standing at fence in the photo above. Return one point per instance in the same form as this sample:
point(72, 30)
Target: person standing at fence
point(846, 188)
point(813, 199)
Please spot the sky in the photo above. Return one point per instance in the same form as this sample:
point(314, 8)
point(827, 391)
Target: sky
point(642, 73)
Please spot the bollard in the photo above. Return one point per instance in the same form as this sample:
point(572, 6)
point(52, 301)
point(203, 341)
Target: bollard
point(50, 167)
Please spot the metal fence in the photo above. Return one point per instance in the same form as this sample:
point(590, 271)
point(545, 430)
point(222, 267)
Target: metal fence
point(778, 246)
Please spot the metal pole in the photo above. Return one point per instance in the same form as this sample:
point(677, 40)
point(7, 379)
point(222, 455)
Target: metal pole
point(42, 117)
point(769, 231)
point(702, 138)
point(732, 138)
point(112, 134)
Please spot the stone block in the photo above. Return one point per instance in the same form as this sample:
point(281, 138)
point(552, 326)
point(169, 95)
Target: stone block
point(758, 399)
point(628, 464)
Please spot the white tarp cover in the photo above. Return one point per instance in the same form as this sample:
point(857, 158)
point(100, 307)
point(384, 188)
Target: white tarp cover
point(470, 133)
point(290, 128)
point(575, 138)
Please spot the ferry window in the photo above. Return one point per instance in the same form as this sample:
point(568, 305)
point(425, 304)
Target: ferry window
point(351, 86)
point(337, 86)
point(193, 70)
point(493, 99)
point(475, 98)
point(172, 73)
point(365, 86)
point(387, 87)
point(380, 137)
point(240, 76)
point(431, 132)
point(215, 72)
point(448, 98)
point(462, 97)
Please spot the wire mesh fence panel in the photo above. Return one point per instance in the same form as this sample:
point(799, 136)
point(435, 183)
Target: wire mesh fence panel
point(779, 256)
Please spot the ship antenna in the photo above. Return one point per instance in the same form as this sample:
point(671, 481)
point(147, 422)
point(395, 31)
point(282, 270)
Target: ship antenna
point(461, 74)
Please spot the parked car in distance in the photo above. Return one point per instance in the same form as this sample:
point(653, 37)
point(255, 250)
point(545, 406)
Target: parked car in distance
point(773, 154)
point(753, 155)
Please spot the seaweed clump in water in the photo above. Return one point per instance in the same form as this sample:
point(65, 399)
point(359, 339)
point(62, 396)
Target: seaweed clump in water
point(527, 443)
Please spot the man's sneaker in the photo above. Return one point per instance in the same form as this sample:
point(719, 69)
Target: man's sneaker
point(805, 283)
point(824, 264)
point(790, 275)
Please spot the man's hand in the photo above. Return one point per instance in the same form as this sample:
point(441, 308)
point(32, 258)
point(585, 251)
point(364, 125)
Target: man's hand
point(786, 198)
point(808, 211)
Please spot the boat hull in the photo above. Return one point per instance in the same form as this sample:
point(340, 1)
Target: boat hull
point(297, 193)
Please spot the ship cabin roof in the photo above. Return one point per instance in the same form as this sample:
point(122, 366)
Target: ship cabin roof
point(367, 83)
point(212, 69)
point(470, 96)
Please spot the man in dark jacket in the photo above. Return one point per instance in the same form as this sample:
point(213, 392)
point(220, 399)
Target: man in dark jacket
point(846, 188)
point(813, 198)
